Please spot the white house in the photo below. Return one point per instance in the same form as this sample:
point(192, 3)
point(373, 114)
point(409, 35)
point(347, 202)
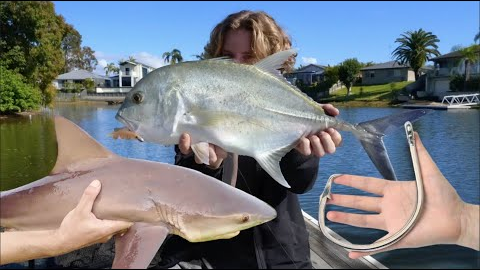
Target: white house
point(130, 73)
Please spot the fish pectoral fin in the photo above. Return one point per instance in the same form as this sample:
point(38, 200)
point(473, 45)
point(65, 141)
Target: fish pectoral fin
point(270, 162)
point(230, 169)
point(202, 151)
point(136, 249)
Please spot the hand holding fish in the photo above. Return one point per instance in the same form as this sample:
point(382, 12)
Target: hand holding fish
point(324, 142)
point(216, 154)
point(319, 144)
point(446, 219)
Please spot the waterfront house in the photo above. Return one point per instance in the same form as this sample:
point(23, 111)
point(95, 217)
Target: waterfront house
point(78, 77)
point(445, 68)
point(130, 73)
point(307, 75)
point(386, 73)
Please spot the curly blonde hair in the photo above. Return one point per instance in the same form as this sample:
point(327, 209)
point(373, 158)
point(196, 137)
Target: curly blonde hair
point(267, 36)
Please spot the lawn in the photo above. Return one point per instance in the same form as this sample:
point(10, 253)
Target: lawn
point(367, 95)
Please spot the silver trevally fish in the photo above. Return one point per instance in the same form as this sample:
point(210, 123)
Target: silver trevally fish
point(159, 198)
point(248, 110)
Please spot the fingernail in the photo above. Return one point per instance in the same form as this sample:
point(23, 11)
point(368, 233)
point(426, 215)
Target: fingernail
point(95, 183)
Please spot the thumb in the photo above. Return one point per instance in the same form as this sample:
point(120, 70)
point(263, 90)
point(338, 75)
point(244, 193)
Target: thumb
point(117, 225)
point(427, 164)
point(85, 204)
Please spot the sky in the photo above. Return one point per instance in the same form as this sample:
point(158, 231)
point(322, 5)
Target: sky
point(325, 33)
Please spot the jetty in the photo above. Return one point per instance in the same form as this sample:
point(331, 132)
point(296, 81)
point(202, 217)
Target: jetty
point(465, 101)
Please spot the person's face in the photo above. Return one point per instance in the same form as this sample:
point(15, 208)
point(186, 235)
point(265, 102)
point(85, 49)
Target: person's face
point(237, 46)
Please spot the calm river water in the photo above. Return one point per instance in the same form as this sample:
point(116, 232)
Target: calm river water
point(28, 152)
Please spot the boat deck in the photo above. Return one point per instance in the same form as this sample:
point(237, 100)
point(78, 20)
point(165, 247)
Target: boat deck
point(327, 255)
point(324, 255)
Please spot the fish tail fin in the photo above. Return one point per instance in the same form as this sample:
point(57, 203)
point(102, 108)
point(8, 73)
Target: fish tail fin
point(371, 133)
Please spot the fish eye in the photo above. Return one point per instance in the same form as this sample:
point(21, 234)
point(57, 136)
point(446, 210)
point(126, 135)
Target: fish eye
point(137, 98)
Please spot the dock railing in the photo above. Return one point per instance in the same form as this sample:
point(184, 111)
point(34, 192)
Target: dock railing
point(462, 100)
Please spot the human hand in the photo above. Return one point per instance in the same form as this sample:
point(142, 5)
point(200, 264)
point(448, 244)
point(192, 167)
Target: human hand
point(80, 227)
point(323, 142)
point(441, 218)
point(216, 154)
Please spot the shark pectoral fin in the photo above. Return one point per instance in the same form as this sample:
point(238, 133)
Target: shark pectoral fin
point(136, 249)
point(270, 162)
point(202, 151)
point(230, 169)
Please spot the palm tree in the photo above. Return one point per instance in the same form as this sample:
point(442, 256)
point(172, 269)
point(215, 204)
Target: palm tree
point(469, 55)
point(200, 56)
point(173, 57)
point(131, 59)
point(111, 68)
point(415, 49)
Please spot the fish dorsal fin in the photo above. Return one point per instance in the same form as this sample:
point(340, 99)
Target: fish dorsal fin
point(274, 62)
point(75, 145)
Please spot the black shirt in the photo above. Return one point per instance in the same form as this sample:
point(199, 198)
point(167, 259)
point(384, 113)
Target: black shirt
point(280, 243)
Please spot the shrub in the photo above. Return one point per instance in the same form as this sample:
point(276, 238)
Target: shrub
point(457, 82)
point(89, 84)
point(15, 94)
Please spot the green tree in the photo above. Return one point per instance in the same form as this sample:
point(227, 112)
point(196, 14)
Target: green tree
point(200, 56)
point(131, 59)
point(87, 59)
point(348, 72)
point(173, 57)
point(111, 68)
point(15, 94)
point(331, 75)
point(470, 55)
point(71, 48)
point(415, 49)
point(31, 41)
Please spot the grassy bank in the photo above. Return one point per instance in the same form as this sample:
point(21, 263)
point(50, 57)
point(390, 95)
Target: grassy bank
point(382, 95)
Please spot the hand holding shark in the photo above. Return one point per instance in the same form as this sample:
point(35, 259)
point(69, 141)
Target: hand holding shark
point(159, 198)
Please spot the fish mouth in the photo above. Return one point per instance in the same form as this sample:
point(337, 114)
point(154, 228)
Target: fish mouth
point(129, 126)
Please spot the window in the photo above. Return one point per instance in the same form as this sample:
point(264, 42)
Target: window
point(144, 72)
point(372, 74)
point(126, 81)
point(127, 71)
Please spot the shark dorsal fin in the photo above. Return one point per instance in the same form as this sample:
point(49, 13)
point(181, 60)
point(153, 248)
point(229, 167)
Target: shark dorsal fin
point(75, 145)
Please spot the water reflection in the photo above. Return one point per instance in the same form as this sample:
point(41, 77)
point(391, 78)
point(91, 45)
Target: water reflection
point(28, 152)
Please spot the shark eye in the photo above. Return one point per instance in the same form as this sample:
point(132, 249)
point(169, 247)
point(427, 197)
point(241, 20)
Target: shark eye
point(245, 218)
point(137, 98)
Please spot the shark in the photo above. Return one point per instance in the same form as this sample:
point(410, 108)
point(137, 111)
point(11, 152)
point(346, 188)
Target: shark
point(159, 198)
